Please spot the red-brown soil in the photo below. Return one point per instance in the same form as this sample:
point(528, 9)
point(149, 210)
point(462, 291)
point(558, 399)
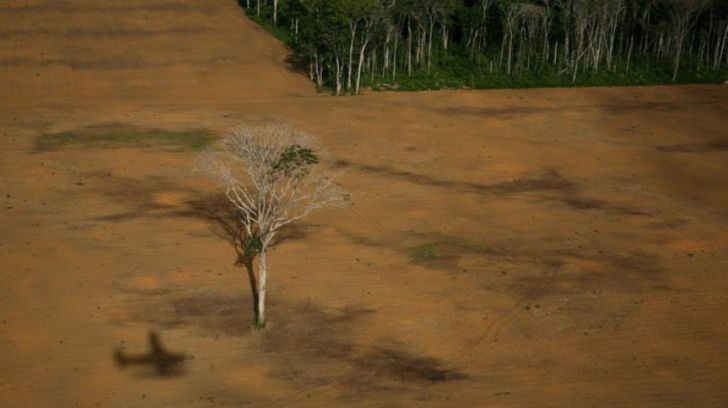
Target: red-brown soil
point(579, 235)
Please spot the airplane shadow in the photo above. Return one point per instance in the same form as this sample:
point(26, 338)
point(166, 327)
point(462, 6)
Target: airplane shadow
point(158, 362)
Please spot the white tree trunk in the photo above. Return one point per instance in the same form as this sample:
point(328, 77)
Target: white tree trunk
point(361, 62)
point(429, 48)
point(719, 56)
point(394, 59)
point(338, 76)
point(409, 49)
point(262, 278)
point(679, 41)
point(353, 27)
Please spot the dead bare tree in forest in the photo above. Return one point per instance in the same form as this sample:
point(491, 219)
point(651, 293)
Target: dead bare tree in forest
point(683, 14)
point(476, 35)
point(370, 23)
point(511, 17)
point(271, 175)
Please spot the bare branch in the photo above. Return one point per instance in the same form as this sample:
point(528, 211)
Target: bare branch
point(271, 176)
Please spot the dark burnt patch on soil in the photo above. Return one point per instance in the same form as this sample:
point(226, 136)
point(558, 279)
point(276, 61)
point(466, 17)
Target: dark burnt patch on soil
point(500, 113)
point(404, 366)
point(584, 203)
point(306, 344)
point(212, 314)
point(714, 146)
point(304, 331)
point(302, 336)
point(597, 270)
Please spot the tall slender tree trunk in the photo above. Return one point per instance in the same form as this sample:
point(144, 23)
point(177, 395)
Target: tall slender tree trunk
point(361, 62)
point(629, 52)
point(318, 68)
point(253, 284)
point(429, 47)
point(262, 280)
point(352, 28)
point(678, 54)
point(385, 54)
point(722, 43)
point(275, 12)
point(502, 51)
point(510, 51)
point(409, 49)
point(680, 36)
point(394, 58)
point(338, 76)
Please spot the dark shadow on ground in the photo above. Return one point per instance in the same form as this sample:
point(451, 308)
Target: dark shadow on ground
point(300, 336)
point(706, 147)
point(164, 363)
point(551, 185)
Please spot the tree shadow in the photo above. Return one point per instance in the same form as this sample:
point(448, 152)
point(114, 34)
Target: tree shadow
point(403, 365)
point(302, 335)
point(550, 185)
point(712, 146)
point(227, 225)
point(297, 64)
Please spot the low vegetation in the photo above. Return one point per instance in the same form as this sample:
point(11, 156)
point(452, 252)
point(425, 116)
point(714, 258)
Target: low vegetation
point(432, 44)
point(423, 254)
point(443, 250)
point(125, 137)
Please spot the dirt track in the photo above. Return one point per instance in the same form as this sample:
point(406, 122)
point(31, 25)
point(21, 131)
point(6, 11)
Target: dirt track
point(580, 234)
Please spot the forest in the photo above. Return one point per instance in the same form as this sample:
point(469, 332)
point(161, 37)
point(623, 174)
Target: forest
point(344, 45)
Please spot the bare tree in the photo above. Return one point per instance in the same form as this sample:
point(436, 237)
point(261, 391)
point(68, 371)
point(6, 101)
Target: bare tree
point(683, 15)
point(271, 176)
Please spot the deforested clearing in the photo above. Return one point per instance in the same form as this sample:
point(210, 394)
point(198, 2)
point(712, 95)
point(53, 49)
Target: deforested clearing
point(541, 247)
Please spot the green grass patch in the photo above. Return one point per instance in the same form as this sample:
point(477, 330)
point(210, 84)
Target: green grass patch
point(179, 141)
point(258, 325)
point(424, 254)
point(445, 251)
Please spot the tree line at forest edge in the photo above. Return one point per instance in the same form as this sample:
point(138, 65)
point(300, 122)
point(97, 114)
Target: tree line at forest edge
point(423, 44)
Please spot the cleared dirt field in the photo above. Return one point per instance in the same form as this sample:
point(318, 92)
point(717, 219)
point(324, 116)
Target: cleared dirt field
point(563, 247)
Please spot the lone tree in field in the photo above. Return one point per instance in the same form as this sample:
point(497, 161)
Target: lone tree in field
point(272, 178)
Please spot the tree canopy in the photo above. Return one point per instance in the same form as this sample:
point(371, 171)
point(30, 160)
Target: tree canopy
point(346, 43)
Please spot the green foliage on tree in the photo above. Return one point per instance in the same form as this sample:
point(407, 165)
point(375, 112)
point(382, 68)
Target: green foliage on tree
point(294, 158)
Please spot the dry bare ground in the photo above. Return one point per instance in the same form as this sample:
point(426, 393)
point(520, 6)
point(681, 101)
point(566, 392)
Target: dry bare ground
point(561, 247)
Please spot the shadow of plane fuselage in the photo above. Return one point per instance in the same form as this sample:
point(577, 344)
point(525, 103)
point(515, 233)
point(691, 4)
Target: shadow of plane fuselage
point(165, 362)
